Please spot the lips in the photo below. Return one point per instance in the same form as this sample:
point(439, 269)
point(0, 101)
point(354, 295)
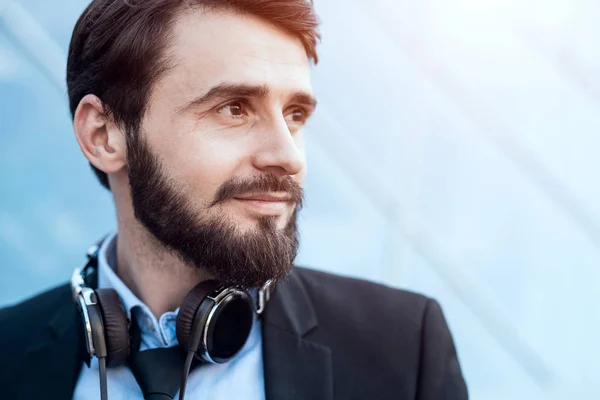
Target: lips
point(267, 204)
point(269, 197)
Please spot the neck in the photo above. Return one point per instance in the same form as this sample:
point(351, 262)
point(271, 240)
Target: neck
point(152, 272)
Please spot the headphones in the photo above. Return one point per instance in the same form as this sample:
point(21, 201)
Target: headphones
point(213, 323)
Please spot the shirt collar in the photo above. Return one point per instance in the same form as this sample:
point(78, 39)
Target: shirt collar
point(155, 332)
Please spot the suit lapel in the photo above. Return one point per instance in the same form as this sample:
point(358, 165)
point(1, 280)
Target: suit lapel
point(51, 366)
point(294, 367)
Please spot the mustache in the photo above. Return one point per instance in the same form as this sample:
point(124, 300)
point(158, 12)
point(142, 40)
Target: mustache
point(236, 187)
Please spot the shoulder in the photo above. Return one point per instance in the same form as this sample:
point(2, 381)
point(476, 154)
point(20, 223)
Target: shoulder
point(361, 310)
point(362, 322)
point(362, 298)
point(402, 336)
point(30, 315)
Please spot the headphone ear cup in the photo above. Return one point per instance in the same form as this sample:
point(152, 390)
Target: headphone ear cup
point(188, 309)
point(116, 326)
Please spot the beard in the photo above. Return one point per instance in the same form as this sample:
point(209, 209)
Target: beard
point(212, 240)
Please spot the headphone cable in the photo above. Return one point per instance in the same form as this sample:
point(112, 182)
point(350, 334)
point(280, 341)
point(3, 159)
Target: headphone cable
point(186, 373)
point(103, 380)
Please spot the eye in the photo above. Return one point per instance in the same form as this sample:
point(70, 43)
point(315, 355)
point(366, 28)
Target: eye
point(297, 117)
point(236, 110)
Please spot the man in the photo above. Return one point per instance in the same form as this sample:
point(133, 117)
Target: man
point(192, 113)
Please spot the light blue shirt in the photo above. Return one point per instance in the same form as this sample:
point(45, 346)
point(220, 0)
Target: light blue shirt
point(240, 378)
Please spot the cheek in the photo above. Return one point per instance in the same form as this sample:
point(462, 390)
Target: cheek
point(203, 160)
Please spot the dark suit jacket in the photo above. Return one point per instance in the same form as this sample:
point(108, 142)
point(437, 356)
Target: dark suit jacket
point(325, 337)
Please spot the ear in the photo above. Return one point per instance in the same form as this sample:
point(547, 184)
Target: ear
point(100, 139)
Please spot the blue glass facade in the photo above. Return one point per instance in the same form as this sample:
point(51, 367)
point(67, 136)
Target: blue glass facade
point(454, 153)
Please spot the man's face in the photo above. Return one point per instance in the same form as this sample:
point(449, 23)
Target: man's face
point(217, 167)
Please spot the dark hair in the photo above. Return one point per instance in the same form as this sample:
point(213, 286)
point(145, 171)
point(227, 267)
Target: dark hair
point(116, 50)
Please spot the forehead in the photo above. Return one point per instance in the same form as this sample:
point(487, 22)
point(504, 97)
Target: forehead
point(211, 48)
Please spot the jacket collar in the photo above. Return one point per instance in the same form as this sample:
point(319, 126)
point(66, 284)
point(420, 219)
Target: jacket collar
point(294, 366)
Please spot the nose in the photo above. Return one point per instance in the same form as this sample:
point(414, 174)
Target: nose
point(279, 152)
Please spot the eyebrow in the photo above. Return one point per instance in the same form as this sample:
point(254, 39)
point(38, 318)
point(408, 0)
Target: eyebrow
point(229, 91)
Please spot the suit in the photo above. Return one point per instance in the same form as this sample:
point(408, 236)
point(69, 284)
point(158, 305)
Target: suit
point(325, 337)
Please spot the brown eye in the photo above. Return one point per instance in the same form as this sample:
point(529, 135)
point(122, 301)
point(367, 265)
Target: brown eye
point(297, 117)
point(234, 109)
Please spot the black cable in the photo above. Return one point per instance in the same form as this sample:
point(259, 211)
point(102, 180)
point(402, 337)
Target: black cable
point(186, 372)
point(103, 381)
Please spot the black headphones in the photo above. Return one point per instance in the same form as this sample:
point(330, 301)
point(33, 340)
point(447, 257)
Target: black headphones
point(213, 323)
